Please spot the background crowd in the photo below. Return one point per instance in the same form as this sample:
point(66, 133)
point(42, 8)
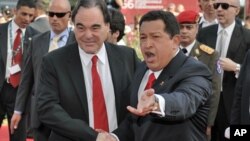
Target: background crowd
point(78, 72)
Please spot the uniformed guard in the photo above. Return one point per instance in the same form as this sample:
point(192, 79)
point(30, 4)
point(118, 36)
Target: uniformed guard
point(188, 21)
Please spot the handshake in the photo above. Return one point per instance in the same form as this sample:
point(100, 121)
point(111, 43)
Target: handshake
point(105, 136)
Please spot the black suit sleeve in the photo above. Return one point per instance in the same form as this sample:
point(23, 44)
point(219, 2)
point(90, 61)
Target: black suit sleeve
point(51, 112)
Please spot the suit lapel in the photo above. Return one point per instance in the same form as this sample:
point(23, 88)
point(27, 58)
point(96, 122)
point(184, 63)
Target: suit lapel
point(44, 43)
point(169, 71)
point(235, 41)
point(74, 67)
point(71, 37)
point(137, 82)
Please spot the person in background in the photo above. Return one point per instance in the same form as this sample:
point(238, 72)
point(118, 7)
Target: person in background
point(208, 13)
point(247, 22)
point(15, 37)
point(91, 91)
point(231, 41)
point(169, 91)
point(7, 13)
point(41, 22)
point(2, 19)
point(117, 26)
point(189, 26)
point(180, 8)
point(59, 36)
point(172, 8)
point(117, 4)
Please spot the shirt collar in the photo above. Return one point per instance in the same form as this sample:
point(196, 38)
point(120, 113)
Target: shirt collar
point(189, 47)
point(229, 29)
point(203, 20)
point(63, 34)
point(14, 27)
point(87, 57)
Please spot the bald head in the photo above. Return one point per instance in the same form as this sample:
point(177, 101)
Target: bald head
point(60, 3)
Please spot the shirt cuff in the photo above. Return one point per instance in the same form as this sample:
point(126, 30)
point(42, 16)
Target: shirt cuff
point(18, 112)
point(161, 105)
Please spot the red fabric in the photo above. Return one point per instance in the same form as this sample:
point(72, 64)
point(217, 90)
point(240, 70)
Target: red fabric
point(151, 80)
point(99, 107)
point(16, 59)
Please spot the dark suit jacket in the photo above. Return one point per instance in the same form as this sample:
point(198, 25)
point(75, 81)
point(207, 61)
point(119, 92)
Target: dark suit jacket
point(185, 84)
point(240, 110)
point(31, 72)
point(41, 24)
point(211, 61)
point(62, 101)
point(238, 46)
point(29, 33)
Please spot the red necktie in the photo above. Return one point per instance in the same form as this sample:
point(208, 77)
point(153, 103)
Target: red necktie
point(99, 107)
point(151, 80)
point(16, 59)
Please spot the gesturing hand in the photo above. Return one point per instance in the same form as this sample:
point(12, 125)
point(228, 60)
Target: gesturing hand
point(146, 104)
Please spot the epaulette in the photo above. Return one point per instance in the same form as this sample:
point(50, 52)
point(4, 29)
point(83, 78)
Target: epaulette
point(206, 49)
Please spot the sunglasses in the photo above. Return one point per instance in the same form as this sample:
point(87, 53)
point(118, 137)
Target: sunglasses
point(58, 15)
point(224, 6)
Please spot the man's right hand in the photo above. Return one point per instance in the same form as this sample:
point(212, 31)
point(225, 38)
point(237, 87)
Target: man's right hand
point(105, 136)
point(14, 122)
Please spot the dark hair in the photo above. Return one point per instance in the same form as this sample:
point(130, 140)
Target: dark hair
point(92, 3)
point(117, 22)
point(28, 3)
point(171, 24)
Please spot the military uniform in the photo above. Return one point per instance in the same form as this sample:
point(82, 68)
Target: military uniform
point(210, 57)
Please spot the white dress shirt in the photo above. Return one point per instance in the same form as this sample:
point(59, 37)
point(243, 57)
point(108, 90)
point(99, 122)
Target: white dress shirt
point(107, 85)
point(12, 28)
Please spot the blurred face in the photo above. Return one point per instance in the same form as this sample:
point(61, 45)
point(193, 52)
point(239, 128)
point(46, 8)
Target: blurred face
point(157, 47)
point(207, 6)
point(59, 16)
point(188, 33)
point(226, 14)
point(90, 29)
point(23, 16)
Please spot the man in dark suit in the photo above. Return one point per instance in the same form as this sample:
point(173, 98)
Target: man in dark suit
point(40, 45)
point(240, 114)
point(66, 100)
point(189, 27)
point(230, 40)
point(15, 38)
point(176, 107)
point(41, 22)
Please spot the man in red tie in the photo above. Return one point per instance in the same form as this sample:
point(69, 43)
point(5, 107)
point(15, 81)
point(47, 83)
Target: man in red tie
point(175, 108)
point(14, 39)
point(84, 86)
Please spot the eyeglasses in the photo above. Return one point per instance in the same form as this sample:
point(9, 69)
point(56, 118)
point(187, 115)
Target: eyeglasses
point(224, 6)
point(58, 15)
